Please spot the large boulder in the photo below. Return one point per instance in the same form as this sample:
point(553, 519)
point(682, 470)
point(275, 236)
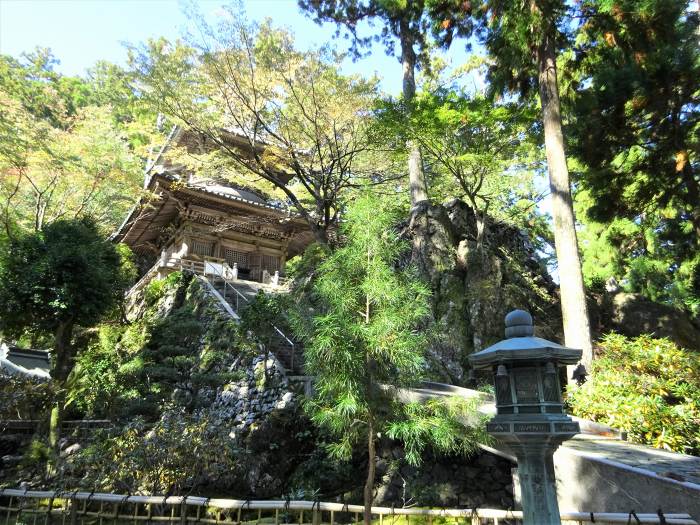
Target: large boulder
point(476, 282)
point(633, 314)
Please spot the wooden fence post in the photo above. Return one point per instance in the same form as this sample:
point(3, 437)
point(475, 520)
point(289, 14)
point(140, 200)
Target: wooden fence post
point(73, 511)
point(48, 512)
point(183, 513)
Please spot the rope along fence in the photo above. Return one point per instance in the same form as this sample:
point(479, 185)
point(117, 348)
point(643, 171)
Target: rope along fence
point(20, 507)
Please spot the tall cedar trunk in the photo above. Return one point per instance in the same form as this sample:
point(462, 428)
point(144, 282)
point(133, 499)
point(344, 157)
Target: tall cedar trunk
point(371, 468)
point(577, 332)
point(416, 177)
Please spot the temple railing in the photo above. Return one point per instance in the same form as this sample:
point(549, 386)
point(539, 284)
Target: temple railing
point(144, 280)
point(219, 269)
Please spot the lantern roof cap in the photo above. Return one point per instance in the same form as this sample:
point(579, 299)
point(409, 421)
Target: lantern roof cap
point(521, 345)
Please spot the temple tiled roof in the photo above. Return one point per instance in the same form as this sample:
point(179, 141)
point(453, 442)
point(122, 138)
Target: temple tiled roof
point(24, 362)
point(151, 216)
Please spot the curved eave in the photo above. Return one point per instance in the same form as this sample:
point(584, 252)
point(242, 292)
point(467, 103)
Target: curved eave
point(523, 350)
point(149, 217)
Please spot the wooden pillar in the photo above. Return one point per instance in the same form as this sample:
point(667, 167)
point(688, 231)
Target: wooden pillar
point(217, 252)
point(256, 263)
point(283, 258)
point(283, 262)
point(185, 245)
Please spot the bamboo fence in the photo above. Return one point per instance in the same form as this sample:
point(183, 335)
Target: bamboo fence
point(23, 507)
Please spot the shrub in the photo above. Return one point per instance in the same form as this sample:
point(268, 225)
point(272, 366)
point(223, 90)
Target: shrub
point(180, 452)
point(24, 397)
point(647, 387)
point(94, 386)
point(156, 289)
point(36, 455)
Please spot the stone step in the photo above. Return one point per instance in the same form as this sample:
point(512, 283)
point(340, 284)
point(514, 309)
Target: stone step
point(596, 471)
point(247, 290)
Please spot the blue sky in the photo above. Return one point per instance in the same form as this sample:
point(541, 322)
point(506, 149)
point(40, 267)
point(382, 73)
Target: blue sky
point(80, 32)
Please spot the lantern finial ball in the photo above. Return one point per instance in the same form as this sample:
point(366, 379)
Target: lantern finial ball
point(519, 324)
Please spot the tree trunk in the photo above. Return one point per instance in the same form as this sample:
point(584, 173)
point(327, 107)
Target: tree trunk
point(55, 420)
point(573, 298)
point(371, 468)
point(63, 352)
point(62, 369)
point(320, 233)
point(481, 218)
point(416, 177)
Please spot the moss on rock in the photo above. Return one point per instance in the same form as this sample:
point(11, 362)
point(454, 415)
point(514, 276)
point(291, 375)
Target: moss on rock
point(474, 285)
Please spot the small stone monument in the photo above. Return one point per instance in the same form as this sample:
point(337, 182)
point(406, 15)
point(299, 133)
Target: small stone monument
point(530, 417)
point(234, 271)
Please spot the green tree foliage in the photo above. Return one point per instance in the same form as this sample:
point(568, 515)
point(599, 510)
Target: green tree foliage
point(39, 89)
point(63, 154)
point(450, 425)
point(363, 341)
point(268, 112)
point(115, 87)
point(96, 387)
point(635, 254)
point(636, 130)
point(402, 21)
point(647, 387)
point(523, 40)
point(486, 154)
point(51, 281)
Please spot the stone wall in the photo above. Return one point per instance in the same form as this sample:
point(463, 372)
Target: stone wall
point(264, 389)
point(482, 480)
point(597, 484)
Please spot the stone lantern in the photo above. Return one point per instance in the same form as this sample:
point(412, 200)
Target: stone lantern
point(530, 418)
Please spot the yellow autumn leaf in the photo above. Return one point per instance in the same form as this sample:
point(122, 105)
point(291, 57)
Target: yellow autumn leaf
point(681, 160)
point(610, 38)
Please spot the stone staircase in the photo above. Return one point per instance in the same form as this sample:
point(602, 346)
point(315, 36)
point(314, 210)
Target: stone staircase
point(245, 291)
point(238, 294)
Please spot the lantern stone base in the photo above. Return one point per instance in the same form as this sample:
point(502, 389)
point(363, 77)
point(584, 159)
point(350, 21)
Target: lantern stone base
point(537, 481)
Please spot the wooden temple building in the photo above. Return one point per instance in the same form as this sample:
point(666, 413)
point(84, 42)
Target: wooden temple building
point(192, 221)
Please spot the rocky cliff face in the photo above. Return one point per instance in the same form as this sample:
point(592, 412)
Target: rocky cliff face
point(475, 284)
